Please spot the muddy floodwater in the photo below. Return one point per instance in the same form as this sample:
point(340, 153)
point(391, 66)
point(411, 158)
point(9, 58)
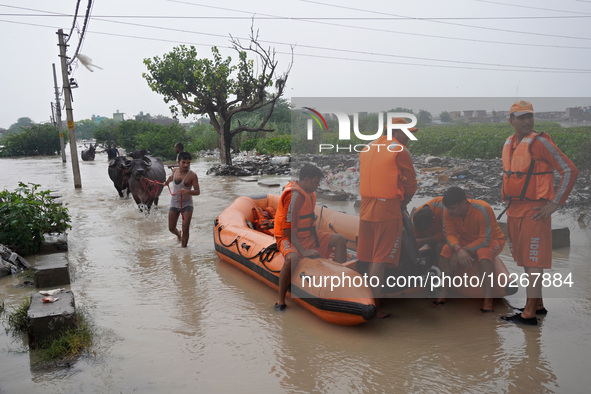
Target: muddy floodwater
point(169, 319)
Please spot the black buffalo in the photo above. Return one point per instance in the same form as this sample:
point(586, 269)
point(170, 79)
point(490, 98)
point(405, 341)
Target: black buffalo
point(146, 177)
point(88, 154)
point(118, 174)
point(138, 154)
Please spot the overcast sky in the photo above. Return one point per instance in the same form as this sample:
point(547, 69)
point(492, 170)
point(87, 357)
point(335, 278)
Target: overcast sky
point(463, 48)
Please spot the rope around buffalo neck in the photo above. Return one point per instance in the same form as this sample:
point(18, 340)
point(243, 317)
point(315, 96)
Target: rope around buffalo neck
point(146, 182)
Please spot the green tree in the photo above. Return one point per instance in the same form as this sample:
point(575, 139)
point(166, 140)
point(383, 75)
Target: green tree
point(107, 132)
point(445, 117)
point(217, 88)
point(424, 117)
point(160, 140)
point(85, 129)
point(129, 130)
point(202, 136)
point(33, 141)
point(280, 122)
point(20, 125)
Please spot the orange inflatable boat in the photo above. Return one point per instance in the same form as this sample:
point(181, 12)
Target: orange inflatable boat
point(337, 293)
point(331, 291)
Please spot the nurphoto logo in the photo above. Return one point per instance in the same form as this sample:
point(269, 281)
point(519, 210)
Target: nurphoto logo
point(344, 129)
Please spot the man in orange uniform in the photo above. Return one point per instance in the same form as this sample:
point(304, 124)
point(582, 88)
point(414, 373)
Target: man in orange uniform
point(387, 182)
point(529, 160)
point(295, 232)
point(472, 235)
point(428, 224)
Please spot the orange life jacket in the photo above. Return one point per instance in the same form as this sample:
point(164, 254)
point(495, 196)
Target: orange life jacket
point(379, 176)
point(263, 219)
point(525, 178)
point(306, 216)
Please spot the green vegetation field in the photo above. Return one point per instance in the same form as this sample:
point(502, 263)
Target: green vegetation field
point(486, 141)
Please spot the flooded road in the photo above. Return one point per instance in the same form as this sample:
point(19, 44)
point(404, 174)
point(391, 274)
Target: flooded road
point(172, 319)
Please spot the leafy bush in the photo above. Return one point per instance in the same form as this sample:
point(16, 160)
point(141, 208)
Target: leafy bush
point(160, 140)
point(279, 145)
point(26, 214)
point(32, 141)
point(202, 137)
point(249, 145)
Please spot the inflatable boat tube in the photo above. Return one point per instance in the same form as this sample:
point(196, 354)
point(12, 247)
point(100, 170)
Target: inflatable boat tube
point(313, 282)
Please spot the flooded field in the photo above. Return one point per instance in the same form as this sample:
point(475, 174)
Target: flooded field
point(169, 319)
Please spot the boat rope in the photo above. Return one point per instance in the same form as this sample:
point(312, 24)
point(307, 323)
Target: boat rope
point(265, 255)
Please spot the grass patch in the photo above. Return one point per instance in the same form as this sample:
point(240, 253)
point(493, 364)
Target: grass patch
point(70, 344)
point(27, 274)
point(66, 347)
point(17, 319)
point(2, 307)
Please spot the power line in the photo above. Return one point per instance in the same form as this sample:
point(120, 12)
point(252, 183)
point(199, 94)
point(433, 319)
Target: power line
point(305, 18)
point(86, 18)
point(511, 68)
point(446, 23)
point(347, 50)
point(73, 22)
point(371, 29)
point(530, 7)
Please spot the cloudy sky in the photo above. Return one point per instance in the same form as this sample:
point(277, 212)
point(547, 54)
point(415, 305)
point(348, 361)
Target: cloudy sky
point(423, 48)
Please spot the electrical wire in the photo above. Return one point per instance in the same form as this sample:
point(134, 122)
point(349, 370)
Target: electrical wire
point(73, 22)
point(383, 30)
point(479, 64)
point(530, 7)
point(84, 27)
point(308, 18)
point(530, 69)
point(450, 23)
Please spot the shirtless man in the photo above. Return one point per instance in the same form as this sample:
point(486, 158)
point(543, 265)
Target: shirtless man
point(185, 185)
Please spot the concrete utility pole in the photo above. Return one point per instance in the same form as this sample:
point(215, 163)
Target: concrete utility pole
point(69, 115)
point(58, 114)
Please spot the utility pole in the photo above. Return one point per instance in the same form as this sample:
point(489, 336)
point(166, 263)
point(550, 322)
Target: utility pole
point(58, 114)
point(69, 115)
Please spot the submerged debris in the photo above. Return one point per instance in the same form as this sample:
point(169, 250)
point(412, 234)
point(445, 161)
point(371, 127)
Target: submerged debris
point(481, 178)
point(11, 262)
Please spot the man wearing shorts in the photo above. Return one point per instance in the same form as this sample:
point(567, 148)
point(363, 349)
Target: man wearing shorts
point(295, 231)
point(529, 161)
point(472, 235)
point(387, 182)
point(185, 185)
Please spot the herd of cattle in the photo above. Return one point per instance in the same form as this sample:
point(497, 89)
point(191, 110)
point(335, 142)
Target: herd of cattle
point(143, 176)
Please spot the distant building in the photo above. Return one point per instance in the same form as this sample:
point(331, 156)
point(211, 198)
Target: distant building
point(141, 117)
point(578, 114)
point(118, 116)
point(477, 116)
point(159, 120)
point(98, 118)
point(455, 115)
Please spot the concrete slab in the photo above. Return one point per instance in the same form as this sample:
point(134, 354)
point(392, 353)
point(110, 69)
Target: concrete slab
point(560, 235)
point(52, 271)
point(49, 320)
point(54, 243)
